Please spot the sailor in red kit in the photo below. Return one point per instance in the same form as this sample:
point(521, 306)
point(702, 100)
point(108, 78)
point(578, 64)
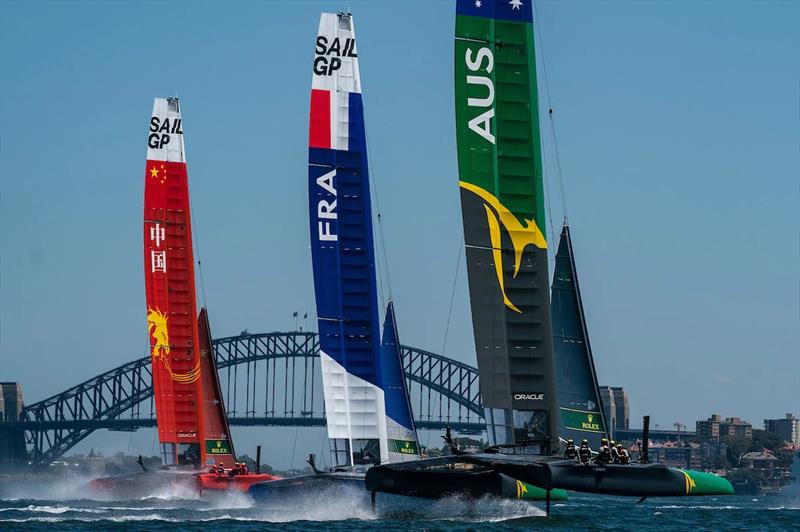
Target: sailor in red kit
point(219, 469)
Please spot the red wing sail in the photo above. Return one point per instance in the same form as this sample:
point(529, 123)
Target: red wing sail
point(170, 288)
point(217, 444)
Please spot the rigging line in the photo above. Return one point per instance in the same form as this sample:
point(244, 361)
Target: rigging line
point(196, 243)
point(446, 332)
point(550, 114)
point(294, 447)
point(551, 253)
point(382, 238)
point(452, 295)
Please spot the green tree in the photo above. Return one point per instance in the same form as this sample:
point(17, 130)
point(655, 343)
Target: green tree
point(763, 439)
point(785, 457)
point(736, 448)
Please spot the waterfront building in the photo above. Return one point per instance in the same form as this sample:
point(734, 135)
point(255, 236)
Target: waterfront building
point(787, 428)
point(759, 460)
point(715, 428)
point(677, 454)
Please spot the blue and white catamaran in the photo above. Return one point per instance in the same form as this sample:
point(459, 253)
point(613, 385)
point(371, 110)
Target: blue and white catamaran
point(368, 411)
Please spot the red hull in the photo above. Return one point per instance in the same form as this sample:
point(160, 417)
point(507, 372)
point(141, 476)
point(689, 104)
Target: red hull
point(212, 481)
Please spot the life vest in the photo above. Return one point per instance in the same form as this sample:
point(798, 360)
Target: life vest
point(585, 454)
point(604, 455)
point(570, 453)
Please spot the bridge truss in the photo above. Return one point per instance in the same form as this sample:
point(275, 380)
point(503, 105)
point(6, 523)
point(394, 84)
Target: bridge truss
point(267, 379)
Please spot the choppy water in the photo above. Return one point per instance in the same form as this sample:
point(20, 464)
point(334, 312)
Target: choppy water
point(66, 505)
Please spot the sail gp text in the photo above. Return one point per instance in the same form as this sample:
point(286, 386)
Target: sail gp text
point(328, 56)
point(326, 210)
point(160, 131)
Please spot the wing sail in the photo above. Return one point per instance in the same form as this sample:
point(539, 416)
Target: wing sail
point(342, 250)
point(170, 289)
point(400, 430)
point(217, 439)
point(502, 202)
point(579, 402)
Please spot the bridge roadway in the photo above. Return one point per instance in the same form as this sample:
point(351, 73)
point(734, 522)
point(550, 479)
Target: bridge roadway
point(269, 379)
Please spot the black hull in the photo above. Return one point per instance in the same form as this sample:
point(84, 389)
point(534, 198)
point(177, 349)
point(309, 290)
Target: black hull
point(436, 484)
point(430, 478)
point(323, 482)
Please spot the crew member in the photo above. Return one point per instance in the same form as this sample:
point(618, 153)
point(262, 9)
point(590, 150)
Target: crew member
point(584, 453)
point(604, 454)
point(624, 457)
point(244, 469)
point(570, 453)
point(219, 469)
point(614, 455)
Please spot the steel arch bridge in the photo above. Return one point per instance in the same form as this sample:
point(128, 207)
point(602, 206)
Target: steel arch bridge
point(267, 379)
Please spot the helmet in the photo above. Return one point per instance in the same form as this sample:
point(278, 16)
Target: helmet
point(584, 441)
point(613, 442)
point(619, 446)
point(570, 441)
point(219, 463)
point(604, 440)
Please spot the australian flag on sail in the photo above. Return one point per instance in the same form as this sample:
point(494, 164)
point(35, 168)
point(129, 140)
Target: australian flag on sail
point(512, 10)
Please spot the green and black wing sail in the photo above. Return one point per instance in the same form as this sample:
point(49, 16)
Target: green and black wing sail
point(502, 201)
point(579, 403)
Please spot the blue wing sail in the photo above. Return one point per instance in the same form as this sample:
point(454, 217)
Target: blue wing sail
point(401, 433)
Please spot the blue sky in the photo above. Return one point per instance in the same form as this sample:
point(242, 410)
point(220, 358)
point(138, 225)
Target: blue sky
point(678, 127)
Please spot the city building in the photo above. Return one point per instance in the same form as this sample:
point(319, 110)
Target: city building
point(715, 428)
point(616, 407)
point(677, 454)
point(787, 428)
point(759, 460)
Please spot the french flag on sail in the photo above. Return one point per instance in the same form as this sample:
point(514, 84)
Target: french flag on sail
point(333, 124)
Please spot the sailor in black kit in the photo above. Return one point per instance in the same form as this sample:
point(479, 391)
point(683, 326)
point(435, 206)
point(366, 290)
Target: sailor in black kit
point(585, 453)
point(570, 453)
point(604, 454)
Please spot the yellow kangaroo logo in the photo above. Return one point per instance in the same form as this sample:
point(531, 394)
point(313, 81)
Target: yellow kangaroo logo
point(522, 489)
point(689, 481)
point(157, 326)
point(521, 236)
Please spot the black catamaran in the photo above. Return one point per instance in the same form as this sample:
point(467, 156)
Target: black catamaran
point(537, 374)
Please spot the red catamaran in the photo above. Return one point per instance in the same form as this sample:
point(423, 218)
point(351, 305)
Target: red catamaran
point(195, 443)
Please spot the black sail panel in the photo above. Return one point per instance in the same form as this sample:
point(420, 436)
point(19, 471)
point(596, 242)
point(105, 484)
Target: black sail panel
point(579, 403)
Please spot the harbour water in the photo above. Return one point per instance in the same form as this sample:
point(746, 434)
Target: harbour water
point(67, 505)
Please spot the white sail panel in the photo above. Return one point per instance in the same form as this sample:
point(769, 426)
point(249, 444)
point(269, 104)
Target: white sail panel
point(165, 136)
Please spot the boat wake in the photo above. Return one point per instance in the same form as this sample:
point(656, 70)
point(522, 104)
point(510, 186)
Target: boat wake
point(331, 503)
point(170, 493)
point(459, 508)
